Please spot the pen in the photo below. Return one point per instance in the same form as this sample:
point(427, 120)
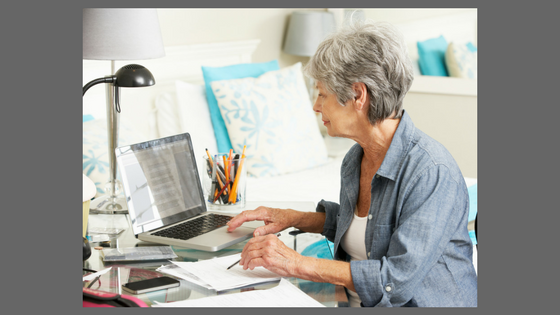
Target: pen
point(235, 263)
point(214, 184)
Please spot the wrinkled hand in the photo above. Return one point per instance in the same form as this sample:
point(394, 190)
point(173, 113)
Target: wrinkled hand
point(275, 220)
point(271, 253)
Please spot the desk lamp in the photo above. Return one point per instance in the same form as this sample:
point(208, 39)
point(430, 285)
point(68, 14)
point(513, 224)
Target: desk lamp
point(306, 30)
point(119, 34)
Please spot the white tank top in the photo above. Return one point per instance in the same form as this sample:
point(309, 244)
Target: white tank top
point(354, 244)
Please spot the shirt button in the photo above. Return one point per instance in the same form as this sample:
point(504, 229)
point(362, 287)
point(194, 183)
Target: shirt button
point(388, 288)
point(370, 216)
point(369, 254)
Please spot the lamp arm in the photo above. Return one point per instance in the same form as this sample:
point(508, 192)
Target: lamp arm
point(110, 79)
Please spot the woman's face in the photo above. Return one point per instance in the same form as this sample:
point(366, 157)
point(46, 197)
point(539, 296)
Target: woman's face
point(336, 118)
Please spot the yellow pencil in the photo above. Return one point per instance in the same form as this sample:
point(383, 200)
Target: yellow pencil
point(210, 158)
point(233, 192)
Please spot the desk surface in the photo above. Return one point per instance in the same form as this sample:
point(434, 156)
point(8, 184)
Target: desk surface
point(123, 272)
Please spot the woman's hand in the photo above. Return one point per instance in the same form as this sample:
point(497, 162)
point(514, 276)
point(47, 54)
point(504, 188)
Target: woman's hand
point(275, 220)
point(271, 253)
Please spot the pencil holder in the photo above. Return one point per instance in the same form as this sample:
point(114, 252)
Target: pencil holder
point(224, 181)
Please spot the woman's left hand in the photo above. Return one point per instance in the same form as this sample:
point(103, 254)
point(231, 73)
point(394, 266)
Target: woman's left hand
point(271, 253)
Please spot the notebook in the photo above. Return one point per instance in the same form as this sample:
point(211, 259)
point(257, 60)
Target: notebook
point(163, 192)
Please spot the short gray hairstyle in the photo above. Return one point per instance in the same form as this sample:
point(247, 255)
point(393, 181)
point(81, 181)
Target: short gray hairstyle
point(371, 53)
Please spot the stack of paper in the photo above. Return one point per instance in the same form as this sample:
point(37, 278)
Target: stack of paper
point(213, 273)
point(283, 295)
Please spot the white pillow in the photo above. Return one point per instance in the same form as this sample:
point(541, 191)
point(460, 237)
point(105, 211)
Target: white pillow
point(95, 162)
point(461, 61)
point(194, 118)
point(167, 115)
point(273, 116)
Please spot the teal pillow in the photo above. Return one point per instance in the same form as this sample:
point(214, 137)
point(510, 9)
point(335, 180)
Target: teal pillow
point(87, 118)
point(238, 71)
point(431, 55)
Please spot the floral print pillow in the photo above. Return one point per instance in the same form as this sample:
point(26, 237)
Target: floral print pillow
point(273, 117)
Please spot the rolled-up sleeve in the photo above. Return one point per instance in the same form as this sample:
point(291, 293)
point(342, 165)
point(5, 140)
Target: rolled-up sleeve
point(331, 212)
point(431, 209)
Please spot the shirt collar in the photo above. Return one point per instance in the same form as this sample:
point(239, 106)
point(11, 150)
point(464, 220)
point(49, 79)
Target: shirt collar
point(397, 151)
point(394, 156)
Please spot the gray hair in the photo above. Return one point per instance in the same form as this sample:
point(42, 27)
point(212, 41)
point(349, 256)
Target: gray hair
point(371, 53)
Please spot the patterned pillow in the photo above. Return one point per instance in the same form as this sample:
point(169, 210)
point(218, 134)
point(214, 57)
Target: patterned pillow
point(236, 71)
point(272, 115)
point(461, 61)
point(95, 163)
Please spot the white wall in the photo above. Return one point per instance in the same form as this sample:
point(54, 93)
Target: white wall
point(196, 26)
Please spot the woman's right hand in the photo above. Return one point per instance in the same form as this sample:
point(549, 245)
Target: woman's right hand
point(275, 220)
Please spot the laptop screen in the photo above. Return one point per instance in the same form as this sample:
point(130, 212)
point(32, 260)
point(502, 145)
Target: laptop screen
point(160, 181)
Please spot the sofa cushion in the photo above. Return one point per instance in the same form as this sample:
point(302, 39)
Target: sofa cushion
point(237, 71)
point(431, 54)
point(272, 115)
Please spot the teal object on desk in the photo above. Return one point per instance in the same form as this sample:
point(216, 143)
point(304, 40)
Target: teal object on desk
point(238, 71)
point(473, 202)
point(320, 249)
point(473, 209)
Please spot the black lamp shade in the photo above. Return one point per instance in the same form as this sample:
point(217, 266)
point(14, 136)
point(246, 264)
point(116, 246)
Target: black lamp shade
point(134, 76)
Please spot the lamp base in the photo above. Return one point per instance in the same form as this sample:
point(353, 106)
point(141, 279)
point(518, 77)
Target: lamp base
point(107, 204)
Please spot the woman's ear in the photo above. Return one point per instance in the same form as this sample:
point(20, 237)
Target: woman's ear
point(362, 98)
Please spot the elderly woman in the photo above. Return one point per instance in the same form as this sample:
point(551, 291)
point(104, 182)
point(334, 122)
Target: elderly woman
point(400, 231)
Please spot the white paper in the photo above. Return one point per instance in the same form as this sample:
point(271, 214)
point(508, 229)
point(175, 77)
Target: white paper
point(283, 295)
point(179, 272)
point(214, 272)
point(94, 275)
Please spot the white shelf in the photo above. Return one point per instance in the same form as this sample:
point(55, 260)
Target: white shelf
point(444, 85)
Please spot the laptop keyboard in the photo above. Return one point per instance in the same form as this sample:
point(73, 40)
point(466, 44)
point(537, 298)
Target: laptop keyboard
point(196, 227)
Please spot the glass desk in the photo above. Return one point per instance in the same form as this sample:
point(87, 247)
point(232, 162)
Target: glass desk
point(123, 272)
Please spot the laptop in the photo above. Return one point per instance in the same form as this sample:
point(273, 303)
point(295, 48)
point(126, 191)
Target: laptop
point(165, 199)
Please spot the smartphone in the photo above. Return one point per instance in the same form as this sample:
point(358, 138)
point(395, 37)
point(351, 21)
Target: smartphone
point(150, 285)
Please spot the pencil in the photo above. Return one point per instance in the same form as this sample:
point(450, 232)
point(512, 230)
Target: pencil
point(233, 191)
point(226, 168)
point(221, 192)
point(210, 158)
point(235, 263)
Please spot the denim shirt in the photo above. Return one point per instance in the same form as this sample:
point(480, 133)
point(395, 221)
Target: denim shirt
point(417, 242)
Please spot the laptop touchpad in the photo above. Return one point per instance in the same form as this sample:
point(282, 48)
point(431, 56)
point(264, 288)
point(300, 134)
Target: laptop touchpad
point(253, 224)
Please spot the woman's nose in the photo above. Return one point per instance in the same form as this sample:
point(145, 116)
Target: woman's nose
point(316, 106)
